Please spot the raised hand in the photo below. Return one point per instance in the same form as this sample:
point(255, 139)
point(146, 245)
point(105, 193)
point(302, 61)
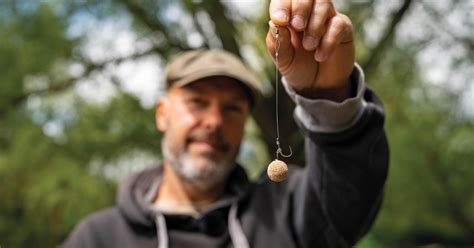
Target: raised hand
point(317, 53)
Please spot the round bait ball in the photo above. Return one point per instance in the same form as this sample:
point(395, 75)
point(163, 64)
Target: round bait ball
point(277, 171)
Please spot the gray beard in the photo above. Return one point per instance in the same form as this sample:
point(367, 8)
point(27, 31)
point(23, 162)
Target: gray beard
point(214, 174)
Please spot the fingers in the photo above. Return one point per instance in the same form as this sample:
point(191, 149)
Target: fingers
point(294, 12)
point(280, 11)
point(321, 27)
point(339, 30)
point(300, 13)
point(321, 11)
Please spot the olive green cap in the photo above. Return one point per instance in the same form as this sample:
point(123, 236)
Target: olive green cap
point(193, 65)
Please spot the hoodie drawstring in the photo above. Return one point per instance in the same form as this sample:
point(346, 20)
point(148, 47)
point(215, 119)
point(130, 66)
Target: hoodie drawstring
point(235, 229)
point(161, 231)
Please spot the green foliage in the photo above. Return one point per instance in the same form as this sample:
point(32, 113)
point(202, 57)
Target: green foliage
point(107, 131)
point(32, 43)
point(44, 192)
point(429, 194)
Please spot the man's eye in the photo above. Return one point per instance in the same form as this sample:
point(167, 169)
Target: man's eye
point(196, 102)
point(234, 109)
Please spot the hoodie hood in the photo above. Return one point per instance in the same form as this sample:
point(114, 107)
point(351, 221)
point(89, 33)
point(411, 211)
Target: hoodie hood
point(137, 191)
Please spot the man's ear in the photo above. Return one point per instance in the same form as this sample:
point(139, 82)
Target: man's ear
point(160, 114)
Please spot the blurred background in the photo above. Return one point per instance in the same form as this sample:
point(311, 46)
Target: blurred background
point(79, 80)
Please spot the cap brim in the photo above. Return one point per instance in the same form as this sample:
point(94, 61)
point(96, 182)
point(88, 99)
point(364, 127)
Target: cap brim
point(249, 83)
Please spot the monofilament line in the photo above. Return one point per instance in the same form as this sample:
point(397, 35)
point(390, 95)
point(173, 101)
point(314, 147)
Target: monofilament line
point(277, 79)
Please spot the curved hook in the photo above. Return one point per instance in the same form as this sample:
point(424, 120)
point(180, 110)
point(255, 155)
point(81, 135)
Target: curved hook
point(279, 151)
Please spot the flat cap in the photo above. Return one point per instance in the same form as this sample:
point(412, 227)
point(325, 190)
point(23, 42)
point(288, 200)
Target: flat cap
point(193, 65)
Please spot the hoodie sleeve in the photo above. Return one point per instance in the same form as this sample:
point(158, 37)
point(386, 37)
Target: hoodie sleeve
point(319, 115)
point(346, 167)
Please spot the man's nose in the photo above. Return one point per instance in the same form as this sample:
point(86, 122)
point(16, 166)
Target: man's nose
point(214, 117)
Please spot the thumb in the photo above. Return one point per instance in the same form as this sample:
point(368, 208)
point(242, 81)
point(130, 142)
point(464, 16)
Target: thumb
point(283, 44)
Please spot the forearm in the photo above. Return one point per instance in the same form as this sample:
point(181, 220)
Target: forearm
point(347, 160)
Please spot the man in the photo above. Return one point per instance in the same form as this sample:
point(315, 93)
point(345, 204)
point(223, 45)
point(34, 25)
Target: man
point(199, 196)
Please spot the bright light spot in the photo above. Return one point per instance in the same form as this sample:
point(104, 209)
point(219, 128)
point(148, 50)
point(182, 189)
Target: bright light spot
point(246, 8)
point(76, 70)
point(98, 90)
point(142, 78)
point(53, 129)
point(195, 40)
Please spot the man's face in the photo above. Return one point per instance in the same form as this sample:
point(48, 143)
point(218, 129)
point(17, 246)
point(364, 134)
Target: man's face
point(203, 124)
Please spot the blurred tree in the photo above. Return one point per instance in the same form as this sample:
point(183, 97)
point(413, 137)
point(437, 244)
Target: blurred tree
point(61, 154)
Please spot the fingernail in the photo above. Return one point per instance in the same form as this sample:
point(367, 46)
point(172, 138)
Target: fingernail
point(320, 56)
point(310, 42)
point(280, 16)
point(298, 22)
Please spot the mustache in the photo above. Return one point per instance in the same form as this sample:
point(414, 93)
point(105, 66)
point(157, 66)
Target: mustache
point(215, 138)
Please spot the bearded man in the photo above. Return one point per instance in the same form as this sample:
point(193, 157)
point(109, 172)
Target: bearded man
point(200, 197)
